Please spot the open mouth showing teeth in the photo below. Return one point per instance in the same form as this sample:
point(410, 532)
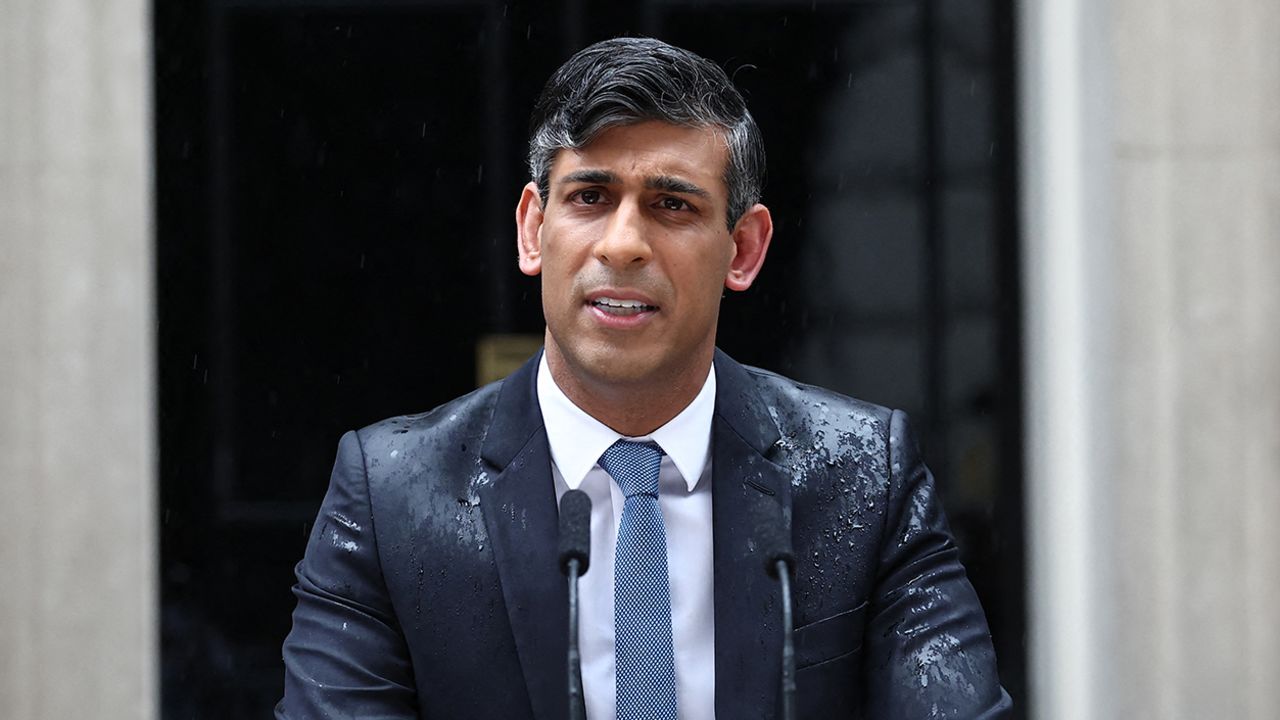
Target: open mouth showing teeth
point(622, 307)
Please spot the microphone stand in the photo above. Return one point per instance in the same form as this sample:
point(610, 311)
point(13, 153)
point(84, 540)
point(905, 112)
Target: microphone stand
point(575, 559)
point(788, 643)
point(577, 707)
point(774, 542)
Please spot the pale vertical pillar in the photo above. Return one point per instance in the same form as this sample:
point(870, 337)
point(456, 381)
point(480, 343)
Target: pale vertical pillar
point(1179, 619)
point(1197, 159)
point(77, 440)
point(1066, 276)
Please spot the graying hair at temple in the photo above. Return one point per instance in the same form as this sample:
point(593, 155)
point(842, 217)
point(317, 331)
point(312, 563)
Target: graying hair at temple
point(630, 80)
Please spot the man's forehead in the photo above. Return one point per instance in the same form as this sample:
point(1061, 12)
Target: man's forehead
point(656, 153)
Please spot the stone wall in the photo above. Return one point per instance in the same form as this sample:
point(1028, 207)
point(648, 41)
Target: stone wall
point(1152, 156)
point(77, 440)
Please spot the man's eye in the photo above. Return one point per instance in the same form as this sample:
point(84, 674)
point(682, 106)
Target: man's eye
point(671, 203)
point(589, 197)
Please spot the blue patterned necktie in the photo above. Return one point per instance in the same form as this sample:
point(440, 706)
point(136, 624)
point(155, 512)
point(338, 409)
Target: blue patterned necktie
point(642, 596)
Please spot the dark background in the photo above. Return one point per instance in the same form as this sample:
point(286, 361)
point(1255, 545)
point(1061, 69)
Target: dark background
point(336, 184)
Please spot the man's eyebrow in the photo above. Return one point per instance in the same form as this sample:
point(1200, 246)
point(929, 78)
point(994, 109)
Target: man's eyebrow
point(675, 185)
point(589, 177)
point(659, 182)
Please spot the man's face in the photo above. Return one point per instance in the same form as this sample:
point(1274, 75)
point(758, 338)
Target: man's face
point(633, 252)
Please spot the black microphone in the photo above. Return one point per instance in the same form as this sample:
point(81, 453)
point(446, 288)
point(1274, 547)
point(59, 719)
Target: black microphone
point(575, 557)
point(775, 547)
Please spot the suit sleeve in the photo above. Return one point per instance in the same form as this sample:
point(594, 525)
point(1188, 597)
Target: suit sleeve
point(929, 648)
point(346, 655)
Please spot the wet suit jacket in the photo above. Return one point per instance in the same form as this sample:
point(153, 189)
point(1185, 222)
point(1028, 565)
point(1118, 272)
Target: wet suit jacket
point(430, 586)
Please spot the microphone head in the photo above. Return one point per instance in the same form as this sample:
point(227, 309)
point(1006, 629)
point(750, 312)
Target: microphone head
point(772, 539)
point(575, 531)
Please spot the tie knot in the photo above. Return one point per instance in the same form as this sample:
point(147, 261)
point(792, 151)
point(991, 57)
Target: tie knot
point(634, 466)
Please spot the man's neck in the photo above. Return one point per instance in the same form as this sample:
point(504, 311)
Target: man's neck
point(635, 409)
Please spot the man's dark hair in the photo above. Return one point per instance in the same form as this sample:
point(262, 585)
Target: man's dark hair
point(625, 81)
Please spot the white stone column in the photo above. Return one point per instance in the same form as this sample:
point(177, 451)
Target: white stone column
point(1066, 191)
point(77, 412)
point(1152, 186)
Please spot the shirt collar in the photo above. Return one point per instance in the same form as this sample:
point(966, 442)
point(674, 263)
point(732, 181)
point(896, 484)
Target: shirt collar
point(577, 440)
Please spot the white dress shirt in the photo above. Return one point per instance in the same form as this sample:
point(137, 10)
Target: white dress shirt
point(577, 441)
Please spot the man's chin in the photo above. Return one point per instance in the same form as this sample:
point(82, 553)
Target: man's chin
point(620, 369)
point(634, 364)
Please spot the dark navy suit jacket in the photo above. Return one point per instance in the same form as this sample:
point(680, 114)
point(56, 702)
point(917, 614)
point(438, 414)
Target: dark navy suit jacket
point(430, 586)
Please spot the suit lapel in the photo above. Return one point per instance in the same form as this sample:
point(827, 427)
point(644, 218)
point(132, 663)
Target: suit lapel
point(520, 513)
point(748, 611)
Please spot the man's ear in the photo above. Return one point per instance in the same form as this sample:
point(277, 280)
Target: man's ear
point(751, 236)
point(529, 230)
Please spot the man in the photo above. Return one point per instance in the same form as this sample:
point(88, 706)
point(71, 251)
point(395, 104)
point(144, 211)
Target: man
point(430, 585)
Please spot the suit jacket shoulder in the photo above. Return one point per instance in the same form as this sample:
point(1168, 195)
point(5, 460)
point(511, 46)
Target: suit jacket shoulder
point(399, 450)
point(819, 427)
point(401, 610)
point(886, 619)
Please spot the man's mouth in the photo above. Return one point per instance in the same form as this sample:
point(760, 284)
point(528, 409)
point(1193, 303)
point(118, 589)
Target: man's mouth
point(622, 307)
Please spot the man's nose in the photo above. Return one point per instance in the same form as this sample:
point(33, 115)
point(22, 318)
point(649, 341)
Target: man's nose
point(625, 243)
